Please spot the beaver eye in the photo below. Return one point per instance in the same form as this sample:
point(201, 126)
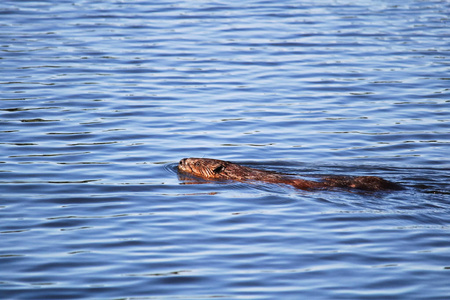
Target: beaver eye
point(218, 169)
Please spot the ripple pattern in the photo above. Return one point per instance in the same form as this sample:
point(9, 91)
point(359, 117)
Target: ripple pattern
point(100, 99)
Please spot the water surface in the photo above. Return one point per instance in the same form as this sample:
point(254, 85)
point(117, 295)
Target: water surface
point(101, 99)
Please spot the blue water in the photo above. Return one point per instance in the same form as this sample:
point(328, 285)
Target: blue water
point(101, 99)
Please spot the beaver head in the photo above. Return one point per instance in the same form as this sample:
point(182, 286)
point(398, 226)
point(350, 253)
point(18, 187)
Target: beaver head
point(206, 168)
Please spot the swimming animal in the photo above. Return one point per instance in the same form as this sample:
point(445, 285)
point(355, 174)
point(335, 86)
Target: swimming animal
point(214, 169)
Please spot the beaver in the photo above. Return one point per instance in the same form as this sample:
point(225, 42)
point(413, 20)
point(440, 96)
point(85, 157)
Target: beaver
point(214, 169)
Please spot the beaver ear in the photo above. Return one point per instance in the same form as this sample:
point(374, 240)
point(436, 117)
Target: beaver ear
point(218, 169)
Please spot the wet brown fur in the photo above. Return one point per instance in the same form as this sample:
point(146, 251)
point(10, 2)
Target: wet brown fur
point(214, 169)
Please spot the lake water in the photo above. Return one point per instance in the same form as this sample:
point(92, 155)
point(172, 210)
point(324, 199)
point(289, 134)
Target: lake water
point(101, 99)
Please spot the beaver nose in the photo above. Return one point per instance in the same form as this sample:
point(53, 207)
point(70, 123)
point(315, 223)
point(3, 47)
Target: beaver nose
point(182, 162)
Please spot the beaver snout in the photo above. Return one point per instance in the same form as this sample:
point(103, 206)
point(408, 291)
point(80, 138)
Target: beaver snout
point(182, 163)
